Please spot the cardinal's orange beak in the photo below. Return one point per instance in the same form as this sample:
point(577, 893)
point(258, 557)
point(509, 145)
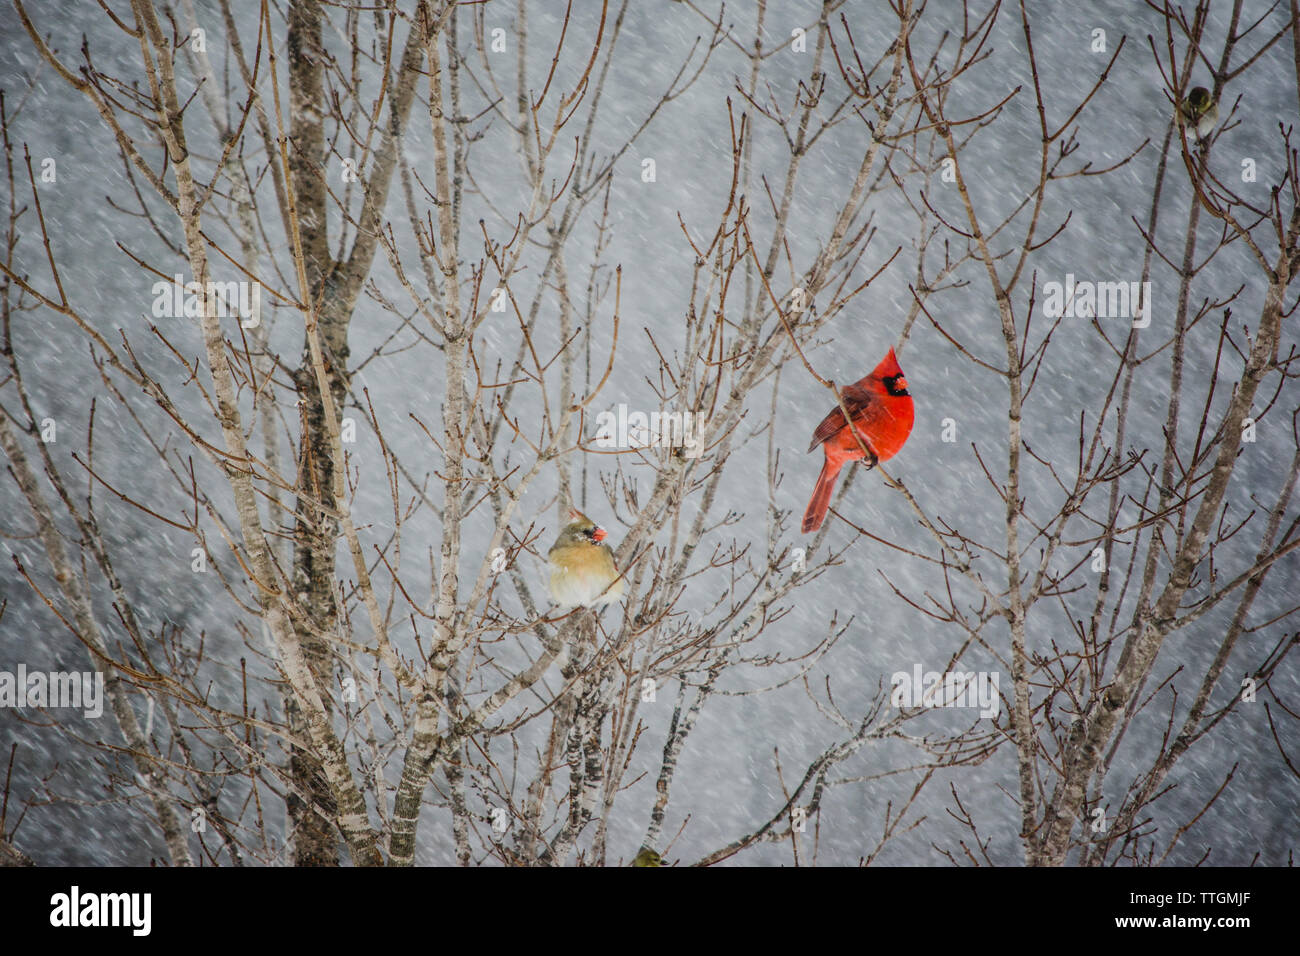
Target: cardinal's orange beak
point(598, 534)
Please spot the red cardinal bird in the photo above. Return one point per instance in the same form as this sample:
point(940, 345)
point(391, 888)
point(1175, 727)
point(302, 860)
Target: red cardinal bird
point(880, 407)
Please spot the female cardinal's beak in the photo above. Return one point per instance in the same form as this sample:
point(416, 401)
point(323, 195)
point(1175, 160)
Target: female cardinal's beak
point(598, 534)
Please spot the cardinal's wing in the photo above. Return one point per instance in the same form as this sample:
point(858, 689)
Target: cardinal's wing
point(857, 400)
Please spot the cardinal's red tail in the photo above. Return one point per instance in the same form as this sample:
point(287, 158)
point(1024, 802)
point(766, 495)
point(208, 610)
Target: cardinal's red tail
point(821, 497)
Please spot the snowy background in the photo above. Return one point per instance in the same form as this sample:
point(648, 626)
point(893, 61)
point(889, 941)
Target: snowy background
point(726, 779)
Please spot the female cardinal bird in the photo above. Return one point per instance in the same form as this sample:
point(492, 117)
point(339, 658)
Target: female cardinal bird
point(582, 567)
point(880, 407)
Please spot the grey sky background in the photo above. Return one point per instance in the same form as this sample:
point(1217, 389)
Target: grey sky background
point(727, 775)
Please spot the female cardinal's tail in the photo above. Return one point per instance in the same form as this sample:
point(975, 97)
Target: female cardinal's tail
point(821, 497)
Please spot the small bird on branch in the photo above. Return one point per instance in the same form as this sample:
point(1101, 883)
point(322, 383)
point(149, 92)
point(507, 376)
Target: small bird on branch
point(582, 567)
